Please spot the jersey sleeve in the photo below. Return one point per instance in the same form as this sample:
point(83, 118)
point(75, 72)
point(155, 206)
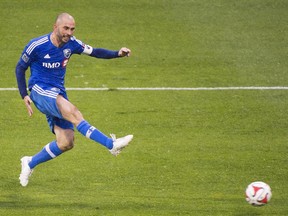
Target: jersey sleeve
point(29, 53)
point(26, 57)
point(82, 48)
point(21, 67)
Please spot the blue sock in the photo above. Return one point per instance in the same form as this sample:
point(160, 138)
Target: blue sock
point(50, 151)
point(92, 133)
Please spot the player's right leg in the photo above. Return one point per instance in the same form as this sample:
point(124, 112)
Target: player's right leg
point(50, 151)
point(45, 101)
point(64, 141)
point(26, 171)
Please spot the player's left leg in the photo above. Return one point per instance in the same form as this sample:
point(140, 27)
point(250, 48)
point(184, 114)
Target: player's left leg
point(71, 113)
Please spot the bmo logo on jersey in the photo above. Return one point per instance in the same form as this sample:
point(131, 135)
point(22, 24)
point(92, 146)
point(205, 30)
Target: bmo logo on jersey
point(51, 65)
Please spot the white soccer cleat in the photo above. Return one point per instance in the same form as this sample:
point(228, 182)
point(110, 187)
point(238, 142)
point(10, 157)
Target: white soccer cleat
point(119, 144)
point(25, 171)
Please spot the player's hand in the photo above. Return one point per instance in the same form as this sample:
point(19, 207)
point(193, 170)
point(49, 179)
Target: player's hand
point(28, 102)
point(124, 52)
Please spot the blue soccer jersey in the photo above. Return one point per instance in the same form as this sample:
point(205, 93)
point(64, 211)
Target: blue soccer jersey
point(47, 62)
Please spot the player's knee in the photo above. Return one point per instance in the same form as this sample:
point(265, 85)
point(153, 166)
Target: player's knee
point(67, 145)
point(66, 142)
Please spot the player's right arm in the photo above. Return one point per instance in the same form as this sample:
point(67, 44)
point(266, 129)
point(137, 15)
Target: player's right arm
point(21, 68)
point(21, 81)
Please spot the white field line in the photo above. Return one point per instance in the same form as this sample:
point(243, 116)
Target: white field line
point(170, 88)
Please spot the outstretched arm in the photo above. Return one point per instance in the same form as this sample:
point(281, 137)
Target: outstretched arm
point(105, 53)
point(21, 81)
point(124, 51)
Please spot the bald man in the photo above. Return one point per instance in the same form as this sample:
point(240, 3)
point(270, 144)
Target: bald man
point(47, 56)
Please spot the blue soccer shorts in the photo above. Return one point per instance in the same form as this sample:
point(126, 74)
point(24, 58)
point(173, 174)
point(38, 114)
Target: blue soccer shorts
point(44, 98)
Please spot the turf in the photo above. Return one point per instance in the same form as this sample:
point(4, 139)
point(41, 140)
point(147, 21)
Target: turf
point(194, 152)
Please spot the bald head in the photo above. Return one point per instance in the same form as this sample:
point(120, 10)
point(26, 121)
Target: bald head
point(64, 28)
point(63, 17)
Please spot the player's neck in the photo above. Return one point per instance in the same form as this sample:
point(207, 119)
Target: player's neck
point(55, 41)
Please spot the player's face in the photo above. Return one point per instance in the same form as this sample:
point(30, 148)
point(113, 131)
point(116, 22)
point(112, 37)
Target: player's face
point(64, 30)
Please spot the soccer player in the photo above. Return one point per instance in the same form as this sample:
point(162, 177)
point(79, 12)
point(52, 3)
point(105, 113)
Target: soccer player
point(47, 56)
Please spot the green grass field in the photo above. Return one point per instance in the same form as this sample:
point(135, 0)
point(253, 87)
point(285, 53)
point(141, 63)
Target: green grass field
point(194, 152)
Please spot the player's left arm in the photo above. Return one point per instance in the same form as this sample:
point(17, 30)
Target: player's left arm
point(105, 53)
point(124, 51)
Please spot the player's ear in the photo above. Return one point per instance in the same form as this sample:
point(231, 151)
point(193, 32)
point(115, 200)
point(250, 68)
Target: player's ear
point(54, 26)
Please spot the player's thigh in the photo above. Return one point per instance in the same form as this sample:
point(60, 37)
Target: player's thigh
point(68, 110)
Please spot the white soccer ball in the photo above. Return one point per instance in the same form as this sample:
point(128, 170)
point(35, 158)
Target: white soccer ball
point(258, 193)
